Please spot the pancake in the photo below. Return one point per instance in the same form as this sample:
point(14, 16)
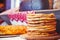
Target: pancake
point(53, 22)
point(39, 25)
point(41, 34)
point(41, 15)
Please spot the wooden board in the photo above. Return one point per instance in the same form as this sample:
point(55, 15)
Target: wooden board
point(38, 37)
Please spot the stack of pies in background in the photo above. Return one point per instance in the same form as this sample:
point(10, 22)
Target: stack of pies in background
point(41, 24)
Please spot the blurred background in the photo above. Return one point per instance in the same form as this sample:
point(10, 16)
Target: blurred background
point(10, 4)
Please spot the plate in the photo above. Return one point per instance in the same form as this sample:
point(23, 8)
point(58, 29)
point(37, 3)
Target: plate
point(7, 36)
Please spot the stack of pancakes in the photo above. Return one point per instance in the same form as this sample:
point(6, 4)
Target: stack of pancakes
point(41, 24)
